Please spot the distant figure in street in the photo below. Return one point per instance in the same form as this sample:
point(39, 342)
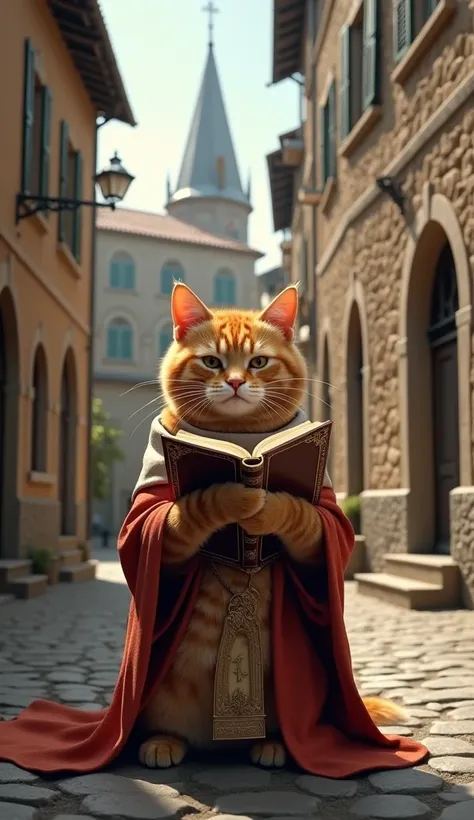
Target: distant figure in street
point(105, 536)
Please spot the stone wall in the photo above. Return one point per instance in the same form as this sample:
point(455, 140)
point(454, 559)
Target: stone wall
point(39, 524)
point(385, 524)
point(462, 538)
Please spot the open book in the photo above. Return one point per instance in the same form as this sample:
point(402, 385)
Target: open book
point(292, 460)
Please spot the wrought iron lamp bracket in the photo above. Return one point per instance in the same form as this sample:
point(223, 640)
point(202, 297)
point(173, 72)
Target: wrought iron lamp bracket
point(27, 205)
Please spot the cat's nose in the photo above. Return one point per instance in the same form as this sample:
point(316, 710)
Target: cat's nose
point(235, 383)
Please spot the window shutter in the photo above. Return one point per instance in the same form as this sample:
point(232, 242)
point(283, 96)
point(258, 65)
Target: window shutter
point(370, 69)
point(430, 6)
point(331, 105)
point(45, 142)
point(126, 346)
point(112, 347)
point(324, 143)
point(402, 26)
point(28, 116)
point(345, 90)
point(77, 229)
point(63, 162)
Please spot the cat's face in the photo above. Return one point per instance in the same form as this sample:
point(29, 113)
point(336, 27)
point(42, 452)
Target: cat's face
point(231, 369)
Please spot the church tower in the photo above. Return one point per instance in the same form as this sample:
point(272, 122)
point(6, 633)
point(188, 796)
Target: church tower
point(209, 193)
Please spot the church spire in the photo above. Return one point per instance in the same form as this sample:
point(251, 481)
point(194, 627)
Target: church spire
point(209, 166)
point(211, 10)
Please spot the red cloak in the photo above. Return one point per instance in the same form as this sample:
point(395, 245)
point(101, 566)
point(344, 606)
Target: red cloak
point(325, 724)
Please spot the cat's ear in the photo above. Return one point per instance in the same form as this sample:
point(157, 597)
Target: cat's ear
point(187, 310)
point(282, 311)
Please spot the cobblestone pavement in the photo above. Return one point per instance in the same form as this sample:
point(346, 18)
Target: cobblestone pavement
point(67, 646)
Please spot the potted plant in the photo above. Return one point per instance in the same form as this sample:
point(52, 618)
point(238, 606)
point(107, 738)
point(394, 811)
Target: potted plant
point(85, 550)
point(45, 562)
point(357, 563)
point(351, 508)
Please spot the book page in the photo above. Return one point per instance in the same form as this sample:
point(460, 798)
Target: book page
point(283, 436)
point(216, 445)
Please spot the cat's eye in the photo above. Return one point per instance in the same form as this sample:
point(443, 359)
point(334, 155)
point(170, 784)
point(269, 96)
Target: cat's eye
point(212, 361)
point(258, 362)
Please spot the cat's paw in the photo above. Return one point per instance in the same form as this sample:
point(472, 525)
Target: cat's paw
point(161, 752)
point(238, 501)
point(268, 753)
point(265, 520)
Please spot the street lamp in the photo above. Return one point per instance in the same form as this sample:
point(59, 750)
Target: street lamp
point(113, 182)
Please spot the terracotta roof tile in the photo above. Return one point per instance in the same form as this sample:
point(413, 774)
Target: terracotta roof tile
point(168, 228)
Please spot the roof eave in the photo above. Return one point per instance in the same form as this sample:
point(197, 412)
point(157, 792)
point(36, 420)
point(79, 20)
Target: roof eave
point(288, 28)
point(281, 189)
point(181, 241)
point(96, 62)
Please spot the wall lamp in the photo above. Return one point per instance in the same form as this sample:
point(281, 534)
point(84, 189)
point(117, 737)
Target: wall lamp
point(113, 182)
point(393, 189)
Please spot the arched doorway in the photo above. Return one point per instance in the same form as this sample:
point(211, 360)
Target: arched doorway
point(355, 404)
point(39, 413)
point(442, 336)
point(67, 446)
point(326, 394)
point(9, 393)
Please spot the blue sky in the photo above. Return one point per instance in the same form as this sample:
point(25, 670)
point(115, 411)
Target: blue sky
point(161, 47)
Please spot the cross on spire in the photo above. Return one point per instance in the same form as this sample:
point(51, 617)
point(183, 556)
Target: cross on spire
point(211, 10)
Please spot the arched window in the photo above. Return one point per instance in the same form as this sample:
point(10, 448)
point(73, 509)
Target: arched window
point(224, 288)
point(170, 272)
point(119, 340)
point(122, 272)
point(39, 413)
point(165, 338)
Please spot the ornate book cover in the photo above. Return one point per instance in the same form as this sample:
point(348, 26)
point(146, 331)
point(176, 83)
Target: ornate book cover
point(293, 461)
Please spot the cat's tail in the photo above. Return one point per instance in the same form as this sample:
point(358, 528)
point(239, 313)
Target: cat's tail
point(384, 712)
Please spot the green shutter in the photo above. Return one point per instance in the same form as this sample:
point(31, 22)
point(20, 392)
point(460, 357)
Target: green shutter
point(28, 116)
point(45, 156)
point(324, 146)
point(370, 68)
point(63, 163)
point(402, 26)
point(429, 7)
point(331, 138)
point(77, 230)
point(345, 87)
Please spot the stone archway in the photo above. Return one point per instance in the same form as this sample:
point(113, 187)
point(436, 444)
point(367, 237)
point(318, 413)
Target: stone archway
point(355, 404)
point(9, 418)
point(435, 252)
point(67, 446)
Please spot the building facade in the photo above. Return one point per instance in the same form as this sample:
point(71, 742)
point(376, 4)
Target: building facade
point(389, 97)
point(55, 81)
point(201, 240)
point(270, 283)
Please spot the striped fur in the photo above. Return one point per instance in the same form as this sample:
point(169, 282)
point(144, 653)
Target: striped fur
point(181, 712)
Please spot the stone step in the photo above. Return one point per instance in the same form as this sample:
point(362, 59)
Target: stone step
point(70, 556)
point(74, 573)
point(28, 586)
point(404, 592)
point(432, 569)
point(11, 569)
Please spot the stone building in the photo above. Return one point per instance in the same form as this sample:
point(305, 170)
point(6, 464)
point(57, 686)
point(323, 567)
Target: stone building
point(57, 74)
point(201, 240)
point(270, 283)
point(389, 193)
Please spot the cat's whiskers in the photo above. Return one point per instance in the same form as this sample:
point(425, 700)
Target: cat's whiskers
point(158, 398)
point(139, 384)
point(154, 412)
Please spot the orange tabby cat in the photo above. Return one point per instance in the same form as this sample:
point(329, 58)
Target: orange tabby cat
point(229, 371)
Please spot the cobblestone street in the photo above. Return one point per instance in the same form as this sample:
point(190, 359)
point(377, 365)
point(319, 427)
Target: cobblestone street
point(67, 646)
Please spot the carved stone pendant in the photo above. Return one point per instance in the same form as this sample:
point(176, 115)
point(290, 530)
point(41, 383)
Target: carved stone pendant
point(239, 712)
